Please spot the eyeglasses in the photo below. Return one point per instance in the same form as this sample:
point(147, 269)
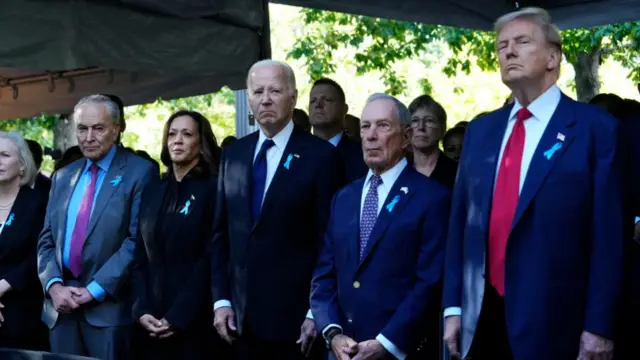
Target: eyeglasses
point(431, 123)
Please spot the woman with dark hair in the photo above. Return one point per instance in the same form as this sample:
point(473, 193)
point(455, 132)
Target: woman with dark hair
point(428, 124)
point(171, 267)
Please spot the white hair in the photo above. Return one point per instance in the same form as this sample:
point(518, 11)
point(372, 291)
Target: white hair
point(28, 175)
point(403, 113)
point(112, 108)
point(538, 16)
point(288, 71)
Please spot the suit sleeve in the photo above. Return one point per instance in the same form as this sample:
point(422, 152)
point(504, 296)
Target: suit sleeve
point(324, 289)
point(192, 296)
point(608, 229)
point(48, 267)
point(219, 265)
point(140, 271)
point(20, 276)
point(403, 328)
point(115, 272)
point(452, 288)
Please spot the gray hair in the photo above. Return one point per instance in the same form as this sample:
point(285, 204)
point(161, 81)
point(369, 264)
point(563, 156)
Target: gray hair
point(403, 113)
point(538, 16)
point(112, 108)
point(288, 71)
point(28, 176)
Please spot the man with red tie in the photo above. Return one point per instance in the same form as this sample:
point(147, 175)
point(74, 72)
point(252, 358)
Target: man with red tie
point(534, 259)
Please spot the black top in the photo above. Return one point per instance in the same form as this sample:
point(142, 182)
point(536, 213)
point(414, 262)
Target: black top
point(171, 268)
point(445, 171)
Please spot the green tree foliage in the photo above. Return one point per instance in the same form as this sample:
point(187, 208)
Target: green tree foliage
point(381, 43)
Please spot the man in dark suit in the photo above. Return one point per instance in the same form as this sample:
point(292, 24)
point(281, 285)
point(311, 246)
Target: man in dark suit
point(274, 191)
point(378, 278)
point(87, 243)
point(42, 183)
point(327, 109)
point(535, 251)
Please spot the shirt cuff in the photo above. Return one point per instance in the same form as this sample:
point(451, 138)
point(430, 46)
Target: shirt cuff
point(221, 303)
point(326, 328)
point(96, 291)
point(452, 311)
point(388, 345)
point(309, 315)
point(51, 282)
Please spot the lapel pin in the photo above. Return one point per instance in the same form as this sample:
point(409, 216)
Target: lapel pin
point(9, 220)
point(561, 136)
point(290, 157)
point(193, 197)
point(549, 153)
point(185, 209)
point(115, 182)
point(393, 203)
point(405, 190)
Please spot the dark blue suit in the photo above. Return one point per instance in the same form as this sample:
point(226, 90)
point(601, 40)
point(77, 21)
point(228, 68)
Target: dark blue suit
point(395, 290)
point(564, 255)
point(351, 152)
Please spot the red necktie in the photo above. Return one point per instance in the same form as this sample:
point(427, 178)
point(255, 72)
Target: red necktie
point(82, 222)
point(505, 200)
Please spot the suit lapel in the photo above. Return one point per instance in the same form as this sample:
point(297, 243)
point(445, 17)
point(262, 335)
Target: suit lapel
point(107, 189)
point(488, 164)
point(246, 155)
point(393, 205)
point(65, 196)
point(353, 226)
point(544, 158)
point(283, 178)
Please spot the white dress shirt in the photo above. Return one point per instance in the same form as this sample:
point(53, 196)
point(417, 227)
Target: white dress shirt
point(336, 139)
point(542, 109)
point(389, 178)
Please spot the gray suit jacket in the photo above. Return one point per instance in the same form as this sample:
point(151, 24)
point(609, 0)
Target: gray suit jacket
point(109, 247)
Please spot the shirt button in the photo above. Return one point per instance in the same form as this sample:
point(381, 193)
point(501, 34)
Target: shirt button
point(356, 284)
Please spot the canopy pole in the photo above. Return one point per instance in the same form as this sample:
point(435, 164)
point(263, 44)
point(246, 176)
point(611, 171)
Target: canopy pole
point(244, 123)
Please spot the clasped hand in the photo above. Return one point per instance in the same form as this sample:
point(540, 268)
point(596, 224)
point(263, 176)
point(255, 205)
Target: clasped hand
point(68, 298)
point(345, 348)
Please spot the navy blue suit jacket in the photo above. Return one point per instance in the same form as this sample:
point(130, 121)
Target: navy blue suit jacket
point(564, 255)
point(398, 283)
point(351, 152)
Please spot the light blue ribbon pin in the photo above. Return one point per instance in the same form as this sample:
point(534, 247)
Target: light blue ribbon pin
point(9, 220)
point(393, 203)
point(185, 209)
point(288, 162)
point(549, 153)
point(115, 182)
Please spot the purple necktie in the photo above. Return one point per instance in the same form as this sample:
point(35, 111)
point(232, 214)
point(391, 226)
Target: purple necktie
point(82, 222)
point(369, 213)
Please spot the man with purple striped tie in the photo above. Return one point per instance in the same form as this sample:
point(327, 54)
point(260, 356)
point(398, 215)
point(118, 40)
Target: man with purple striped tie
point(376, 287)
point(88, 239)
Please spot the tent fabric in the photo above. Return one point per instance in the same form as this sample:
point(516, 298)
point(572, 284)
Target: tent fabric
point(165, 50)
point(481, 14)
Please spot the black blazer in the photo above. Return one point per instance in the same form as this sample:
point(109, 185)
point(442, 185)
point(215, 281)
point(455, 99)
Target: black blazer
point(351, 152)
point(171, 267)
point(18, 243)
point(265, 269)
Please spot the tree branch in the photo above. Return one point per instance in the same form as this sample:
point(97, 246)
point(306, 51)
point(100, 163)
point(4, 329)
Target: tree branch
point(610, 50)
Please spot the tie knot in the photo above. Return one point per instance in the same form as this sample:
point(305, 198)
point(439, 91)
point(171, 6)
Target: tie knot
point(266, 145)
point(93, 168)
point(523, 114)
point(376, 180)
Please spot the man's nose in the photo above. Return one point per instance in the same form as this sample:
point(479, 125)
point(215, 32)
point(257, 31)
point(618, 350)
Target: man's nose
point(266, 99)
point(319, 103)
point(90, 135)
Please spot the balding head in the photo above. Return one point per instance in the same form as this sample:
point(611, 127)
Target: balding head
point(290, 77)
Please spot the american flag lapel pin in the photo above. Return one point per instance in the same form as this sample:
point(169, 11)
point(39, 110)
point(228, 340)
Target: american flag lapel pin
point(560, 136)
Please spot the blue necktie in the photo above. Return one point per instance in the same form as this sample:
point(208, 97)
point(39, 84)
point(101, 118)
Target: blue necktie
point(259, 178)
point(369, 213)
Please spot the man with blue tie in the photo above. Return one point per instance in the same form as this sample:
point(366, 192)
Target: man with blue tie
point(327, 111)
point(535, 252)
point(376, 288)
point(87, 243)
point(274, 191)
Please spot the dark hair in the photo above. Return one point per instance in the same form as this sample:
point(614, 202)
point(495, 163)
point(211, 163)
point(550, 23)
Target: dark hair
point(227, 141)
point(70, 155)
point(209, 149)
point(145, 155)
point(301, 119)
point(36, 152)
point(458, 130)
point(462, 124)
point(609, 102)
point(332, 83)
point(427, 102)
point(629, 108)
point(118, 101)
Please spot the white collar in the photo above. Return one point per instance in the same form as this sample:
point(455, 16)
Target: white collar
point(336, 139)
point(390, 176)
point(280, 139)
point(542, 107)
